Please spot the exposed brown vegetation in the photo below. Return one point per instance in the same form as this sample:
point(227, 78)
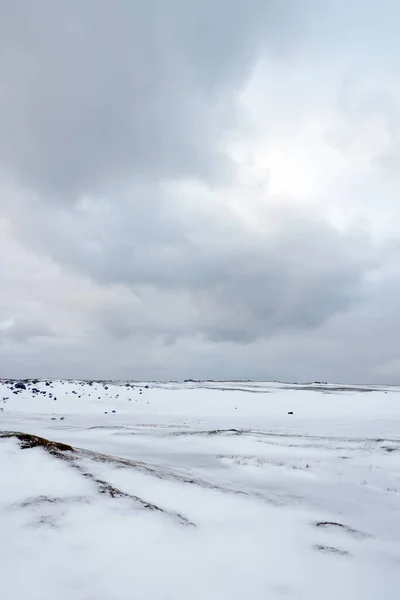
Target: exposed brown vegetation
point(27, 440)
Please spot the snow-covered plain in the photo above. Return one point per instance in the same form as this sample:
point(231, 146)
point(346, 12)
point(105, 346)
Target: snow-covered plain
point(199, 491)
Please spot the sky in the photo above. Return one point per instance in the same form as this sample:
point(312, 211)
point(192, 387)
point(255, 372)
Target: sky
point(200, 189)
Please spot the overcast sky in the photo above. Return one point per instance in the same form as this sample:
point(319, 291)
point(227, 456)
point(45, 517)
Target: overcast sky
point(200, 189)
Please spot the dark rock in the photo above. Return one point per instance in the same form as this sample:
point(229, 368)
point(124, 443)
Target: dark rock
point(20, 386)
point(290, 413)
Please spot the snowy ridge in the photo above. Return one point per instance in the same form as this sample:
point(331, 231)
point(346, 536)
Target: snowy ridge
point(120, 490)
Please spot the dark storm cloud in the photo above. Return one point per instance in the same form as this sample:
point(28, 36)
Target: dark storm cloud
point(94, 91)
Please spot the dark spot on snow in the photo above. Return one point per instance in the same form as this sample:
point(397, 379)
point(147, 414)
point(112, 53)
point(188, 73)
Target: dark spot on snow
point(213, 432)
point(346, 528)
point(38, 500)
point(331, 550)
point(290, 413)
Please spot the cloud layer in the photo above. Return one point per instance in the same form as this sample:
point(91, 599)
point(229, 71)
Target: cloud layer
point(191, 190)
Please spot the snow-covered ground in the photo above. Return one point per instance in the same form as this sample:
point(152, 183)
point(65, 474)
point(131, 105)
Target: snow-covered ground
point(199, 491)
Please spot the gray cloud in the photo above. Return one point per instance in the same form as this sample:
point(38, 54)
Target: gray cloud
point(93, 92)
point(136, 247)
point(236, 284)
point(24, 330)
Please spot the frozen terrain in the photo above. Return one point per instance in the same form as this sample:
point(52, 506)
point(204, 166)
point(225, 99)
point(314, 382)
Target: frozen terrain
point(125, 491)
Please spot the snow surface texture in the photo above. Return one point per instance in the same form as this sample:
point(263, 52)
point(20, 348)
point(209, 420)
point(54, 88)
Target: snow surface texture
point(199, 491)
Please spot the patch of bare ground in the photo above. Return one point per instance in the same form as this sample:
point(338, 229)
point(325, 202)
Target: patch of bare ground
point(27, 440)
point(331, 550)
point(341, 527)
